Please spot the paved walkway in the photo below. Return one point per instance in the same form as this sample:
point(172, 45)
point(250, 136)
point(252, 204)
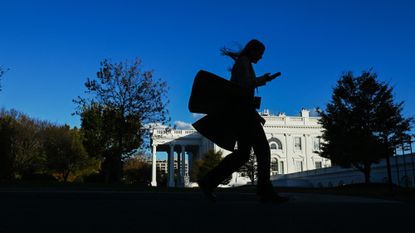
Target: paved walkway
point(177, 211)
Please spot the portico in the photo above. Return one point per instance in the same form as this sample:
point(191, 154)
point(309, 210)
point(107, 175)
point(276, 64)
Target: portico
point(182, 147)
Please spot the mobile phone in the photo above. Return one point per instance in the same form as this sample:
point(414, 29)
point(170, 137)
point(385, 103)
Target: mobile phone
point(276, 75)
point(271, 77)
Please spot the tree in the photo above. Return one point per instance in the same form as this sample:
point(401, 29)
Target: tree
point(202, 166)
point(362, 123)
point(7, 134)
point(137, 170)
point(250, 168)
point(97, 138)
point(29, 157)
point(392, 128)
point(123, 101)
point(31, 149)
point(64, 151)
point(21, 146)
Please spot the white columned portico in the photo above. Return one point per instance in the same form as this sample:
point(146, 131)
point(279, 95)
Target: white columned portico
point(154, 167)
point(171, 166)
point(183, 170)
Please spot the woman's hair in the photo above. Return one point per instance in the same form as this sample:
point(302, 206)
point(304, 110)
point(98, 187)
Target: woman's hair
point(252, 45)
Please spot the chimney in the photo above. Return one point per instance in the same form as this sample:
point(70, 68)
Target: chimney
point(305, 113)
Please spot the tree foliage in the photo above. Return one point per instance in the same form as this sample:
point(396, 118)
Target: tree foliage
point(362, 122)
point(138, 170)
point(30, 149)
point(251, 167)
point(202, 166)
point(7, 134)
point(65, 153)
point(21, 148)
point(122, 102)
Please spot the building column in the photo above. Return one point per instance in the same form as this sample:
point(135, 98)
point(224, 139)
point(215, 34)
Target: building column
point(170, 182)
point(183, 167)
point(289, 154)
point(200, 152)
point(190, 161)
point(305, 167)
point(179, 167)
point(154, 167)
point(308, 152)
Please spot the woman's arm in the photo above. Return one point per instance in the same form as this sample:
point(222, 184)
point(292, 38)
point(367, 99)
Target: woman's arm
point(241, 73)
point(262, 80)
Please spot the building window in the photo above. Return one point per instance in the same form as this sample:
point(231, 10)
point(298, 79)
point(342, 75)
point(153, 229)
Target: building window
point(297, 143)
point(299, 165)
point(282, 167)
point(275, 144)
point(318, 164)
point(274, 166)
point(316, 144)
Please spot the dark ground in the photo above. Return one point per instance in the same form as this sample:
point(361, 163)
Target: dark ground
point(97, 209)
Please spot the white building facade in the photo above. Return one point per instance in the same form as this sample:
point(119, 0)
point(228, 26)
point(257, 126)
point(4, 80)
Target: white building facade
point(294, 143)
point(163, 165)
point(402, 171)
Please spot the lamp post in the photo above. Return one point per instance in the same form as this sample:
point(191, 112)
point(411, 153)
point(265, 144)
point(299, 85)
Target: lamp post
point(397, 167)
point(405, 180)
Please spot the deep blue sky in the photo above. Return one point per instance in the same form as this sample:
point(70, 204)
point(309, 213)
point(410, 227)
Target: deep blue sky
point(51, 47)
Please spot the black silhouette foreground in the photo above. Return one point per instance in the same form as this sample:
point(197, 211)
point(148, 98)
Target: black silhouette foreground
point(232, 119)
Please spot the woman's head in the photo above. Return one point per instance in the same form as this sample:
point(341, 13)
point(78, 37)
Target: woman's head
point(254, 50)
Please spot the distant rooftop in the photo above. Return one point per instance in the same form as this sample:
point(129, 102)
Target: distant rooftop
point(303, 113)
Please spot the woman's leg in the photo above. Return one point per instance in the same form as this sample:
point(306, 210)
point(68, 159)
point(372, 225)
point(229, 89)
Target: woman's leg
point(227, 166)
point(263, 155)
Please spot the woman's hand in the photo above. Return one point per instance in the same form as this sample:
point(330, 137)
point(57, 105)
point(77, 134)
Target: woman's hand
point(262, 80)
point(270, 77)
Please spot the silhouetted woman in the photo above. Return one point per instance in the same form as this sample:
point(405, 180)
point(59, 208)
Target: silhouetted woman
point(248, 127)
